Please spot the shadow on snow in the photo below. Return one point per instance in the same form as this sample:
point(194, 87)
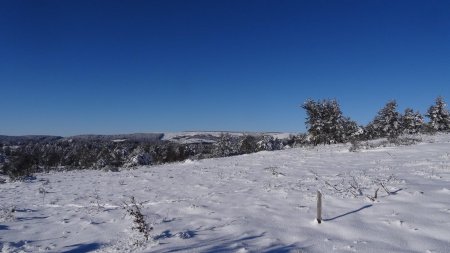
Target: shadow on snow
point(225, 244)
point(345, 214)
point(82, 248)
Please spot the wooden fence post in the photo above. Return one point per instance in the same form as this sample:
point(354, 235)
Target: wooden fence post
point(319, 207)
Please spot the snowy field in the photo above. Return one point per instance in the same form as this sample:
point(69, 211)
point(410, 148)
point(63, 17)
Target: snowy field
point(263, 202)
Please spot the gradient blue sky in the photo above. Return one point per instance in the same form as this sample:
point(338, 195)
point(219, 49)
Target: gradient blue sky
point(72, 67)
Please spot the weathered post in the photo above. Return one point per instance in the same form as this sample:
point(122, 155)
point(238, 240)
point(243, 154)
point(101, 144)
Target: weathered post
point(319, 207)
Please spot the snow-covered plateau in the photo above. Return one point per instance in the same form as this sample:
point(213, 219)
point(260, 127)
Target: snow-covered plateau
point(385, 199)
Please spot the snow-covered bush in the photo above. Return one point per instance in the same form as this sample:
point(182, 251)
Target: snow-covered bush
point(169, 152)
point(404, 140)
point(384, 142)
point(296, 140)
point(139, 223)
point(7, 213)
point(226, 145)
point(356, 184)
point(20, 166)
point(138, 157)
point(355, 146)
point(269, 143)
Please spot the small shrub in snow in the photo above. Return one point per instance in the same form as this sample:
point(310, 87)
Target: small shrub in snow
point(355, 184)
point(7, 214)
point(274, 171)
point(355, 146)
point(96, 201)
point(43, 192)
point(384, 142)
point(139, 223)
point(269, 143)
point(296, 140)
point(403, 141)
point(185, 234)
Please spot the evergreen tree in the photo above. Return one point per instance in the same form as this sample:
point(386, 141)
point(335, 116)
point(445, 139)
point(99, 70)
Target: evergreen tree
point(313, 120)
point(412, 122)
point(439, 116)
point(325, 122)
point(226, 145)
point(247, 145)
point(386, 123)
point(351, 129)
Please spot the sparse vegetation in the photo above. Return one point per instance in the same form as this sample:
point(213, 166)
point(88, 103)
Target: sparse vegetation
point(139, 223)
point(7, 213)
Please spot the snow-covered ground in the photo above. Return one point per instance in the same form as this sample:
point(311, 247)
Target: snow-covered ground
point(263, 202)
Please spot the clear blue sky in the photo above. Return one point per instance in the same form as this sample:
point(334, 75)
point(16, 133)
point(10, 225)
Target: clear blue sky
point(72, 67)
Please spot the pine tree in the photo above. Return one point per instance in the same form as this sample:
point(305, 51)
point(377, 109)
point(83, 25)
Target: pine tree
point(325, 122)
point(247, 145)
point(439, 116)
point(351, 129)
point(226, 145)
point(412, 122)
point(313, 121)
point(386, 123)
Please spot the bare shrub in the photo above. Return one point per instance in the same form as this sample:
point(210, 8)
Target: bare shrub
point(355, 146)
point(139, 223)
point(404, 141)
point(356, 184)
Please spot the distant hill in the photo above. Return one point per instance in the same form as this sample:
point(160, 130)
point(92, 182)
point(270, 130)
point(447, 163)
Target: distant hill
point(5, 139)
point(179, 137)
point(138, 137)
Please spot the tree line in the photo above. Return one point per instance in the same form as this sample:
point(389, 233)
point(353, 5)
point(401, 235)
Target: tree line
point(326, 123)
point(22, 158)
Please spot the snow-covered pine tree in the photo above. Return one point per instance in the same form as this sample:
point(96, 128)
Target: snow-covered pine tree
point(325, 122)
point(313, 121)
point(247, 144)
point(351, 129)
point(439, 116)
point(269, 143)
point(412, 122)
point(386, 123)
point(333, 121)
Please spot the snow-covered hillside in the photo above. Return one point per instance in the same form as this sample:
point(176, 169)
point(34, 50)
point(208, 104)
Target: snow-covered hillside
point(262, 202)
point(205, 136)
